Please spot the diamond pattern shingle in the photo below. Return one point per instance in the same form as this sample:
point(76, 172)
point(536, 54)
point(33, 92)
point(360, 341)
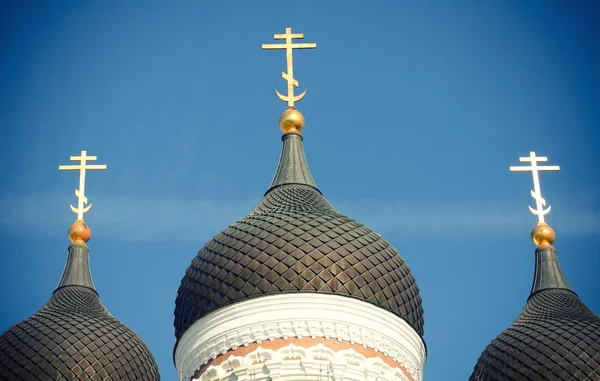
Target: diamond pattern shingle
point(74, 337)
point(556, 338)
point(295, 241)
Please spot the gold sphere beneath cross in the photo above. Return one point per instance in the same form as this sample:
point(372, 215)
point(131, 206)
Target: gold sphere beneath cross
point(79, 232)
point(543, 235)
point(291, 121)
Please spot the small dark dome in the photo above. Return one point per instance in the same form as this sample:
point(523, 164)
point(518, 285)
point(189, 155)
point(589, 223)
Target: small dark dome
point(295, 241)
point(74, 337)
point(556, 338)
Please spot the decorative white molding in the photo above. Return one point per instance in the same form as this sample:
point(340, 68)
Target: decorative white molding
point(298, 363)
point(299, 315)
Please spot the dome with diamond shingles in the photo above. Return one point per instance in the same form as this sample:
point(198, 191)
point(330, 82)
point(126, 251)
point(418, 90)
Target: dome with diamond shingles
point(555, 338)
point(74, 337)
point(295, 241)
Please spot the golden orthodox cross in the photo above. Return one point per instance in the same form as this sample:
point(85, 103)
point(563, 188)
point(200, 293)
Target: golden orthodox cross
point(536, 193)
point(80, 193)
point(289, 76)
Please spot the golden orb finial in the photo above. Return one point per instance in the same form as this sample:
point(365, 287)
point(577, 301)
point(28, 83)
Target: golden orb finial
point(543, 235)
point(79, 232)
point(291, 121)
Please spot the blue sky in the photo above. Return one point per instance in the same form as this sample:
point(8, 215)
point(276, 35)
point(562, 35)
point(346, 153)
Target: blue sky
point(414, 112)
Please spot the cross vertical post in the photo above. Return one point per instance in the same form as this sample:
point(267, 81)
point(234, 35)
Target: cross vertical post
point(80, 193)
point(536, 193)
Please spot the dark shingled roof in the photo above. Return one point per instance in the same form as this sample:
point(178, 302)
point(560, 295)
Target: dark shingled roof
point(555, 338)
point(295, 241)
point(74, 337)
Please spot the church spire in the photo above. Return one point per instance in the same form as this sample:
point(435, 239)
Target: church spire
point(548, 273)
point(77, 269)
point(292, 167)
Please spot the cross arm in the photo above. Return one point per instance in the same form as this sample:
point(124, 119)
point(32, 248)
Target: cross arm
point(308, 45)
point(529, 168)
point(549, 168)
point(83, 157)
point(533, 158)
point(520, 169)
point(285, 36)
point(70, 167)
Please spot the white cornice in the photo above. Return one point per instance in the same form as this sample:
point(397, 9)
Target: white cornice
point(299, 315)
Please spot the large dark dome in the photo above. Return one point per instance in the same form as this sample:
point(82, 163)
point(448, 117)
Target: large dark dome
point(74, 337)
point(555, 338)
point(295, 241)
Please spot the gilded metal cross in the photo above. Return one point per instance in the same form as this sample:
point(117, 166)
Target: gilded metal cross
point(289, 76)
point(80, 193)
point(536, 193)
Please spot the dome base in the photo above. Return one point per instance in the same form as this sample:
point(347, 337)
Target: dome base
point(298, 316)
point(317, 359)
